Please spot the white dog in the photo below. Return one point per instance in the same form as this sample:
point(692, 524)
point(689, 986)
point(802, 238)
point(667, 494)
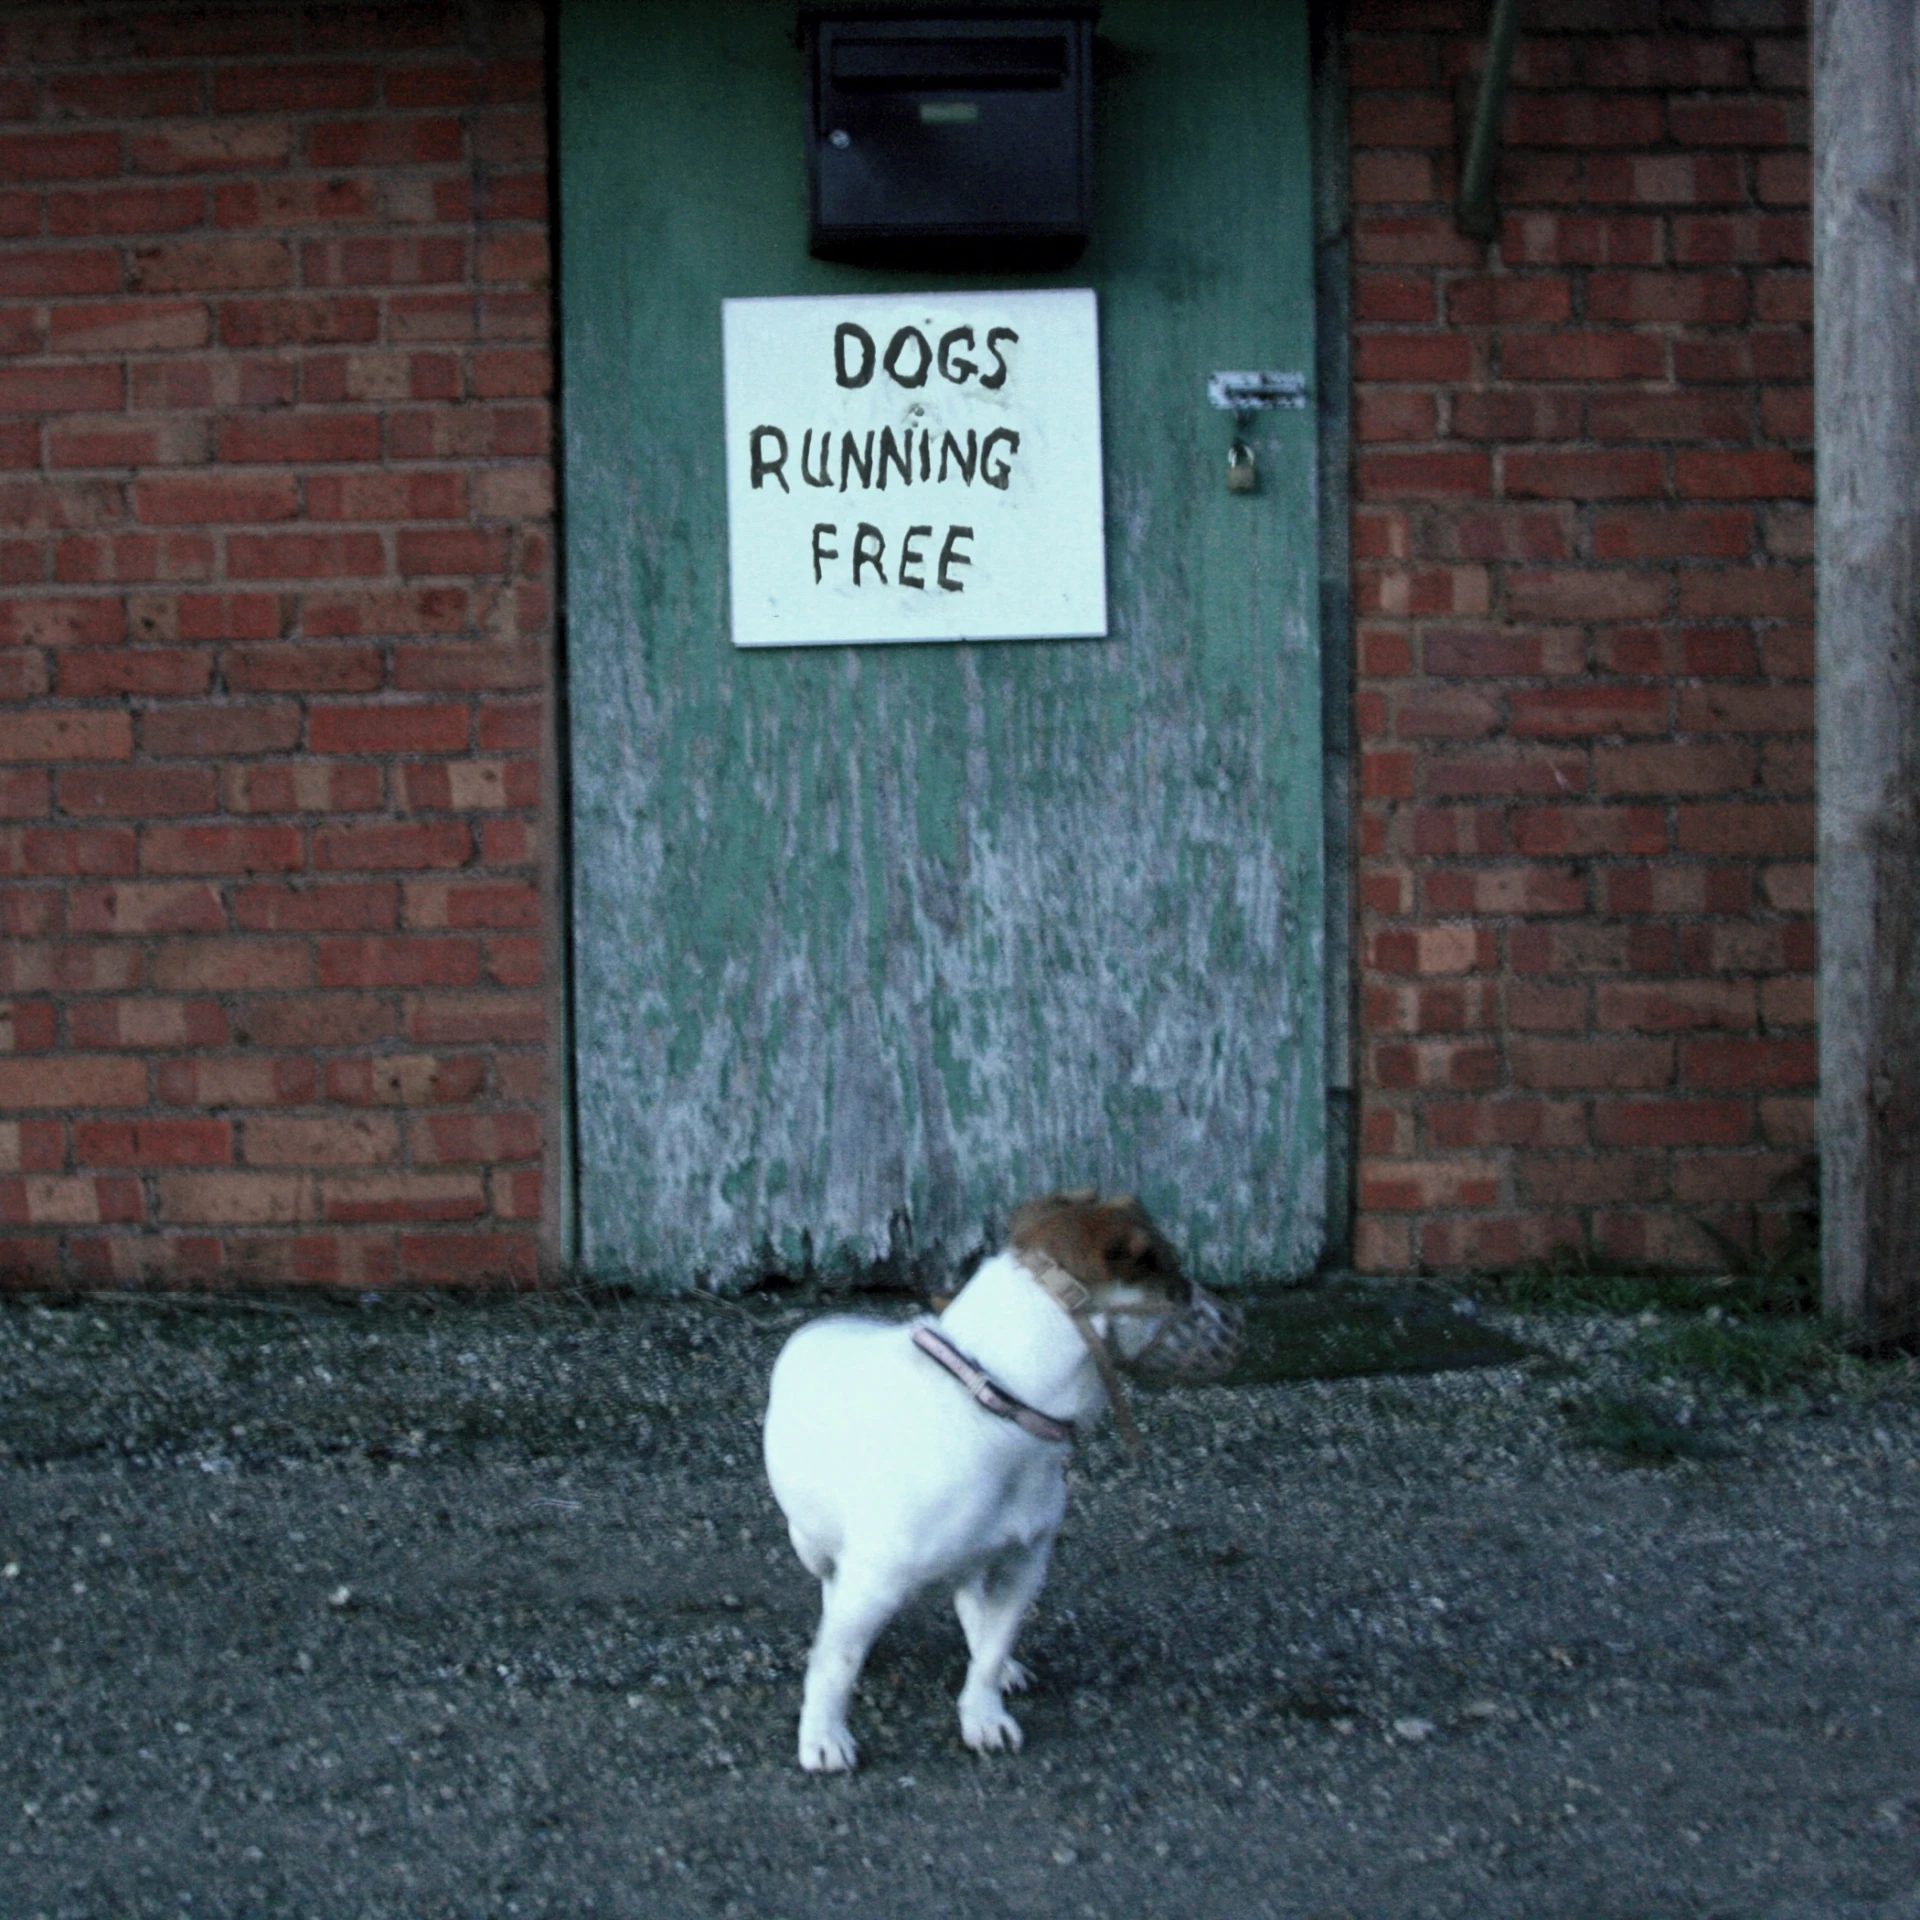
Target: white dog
point(908, 1455)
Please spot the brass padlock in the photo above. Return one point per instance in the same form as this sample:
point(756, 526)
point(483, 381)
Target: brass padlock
point(1243, 471)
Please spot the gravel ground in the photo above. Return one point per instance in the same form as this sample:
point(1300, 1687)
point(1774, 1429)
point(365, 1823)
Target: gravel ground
point(466, 1609)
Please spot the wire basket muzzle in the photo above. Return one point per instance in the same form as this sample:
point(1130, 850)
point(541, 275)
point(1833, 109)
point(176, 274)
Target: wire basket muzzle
point(1197, 1344)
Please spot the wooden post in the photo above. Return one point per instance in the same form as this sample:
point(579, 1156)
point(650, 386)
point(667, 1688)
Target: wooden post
point(1866, 95)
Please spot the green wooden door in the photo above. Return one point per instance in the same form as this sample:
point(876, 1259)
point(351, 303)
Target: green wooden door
point(871, 942)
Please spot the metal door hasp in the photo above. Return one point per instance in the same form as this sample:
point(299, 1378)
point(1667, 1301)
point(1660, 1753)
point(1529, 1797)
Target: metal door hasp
point(1256, 392)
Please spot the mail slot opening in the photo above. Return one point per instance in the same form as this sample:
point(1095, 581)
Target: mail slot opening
point(954, 139)
point(1030, 60)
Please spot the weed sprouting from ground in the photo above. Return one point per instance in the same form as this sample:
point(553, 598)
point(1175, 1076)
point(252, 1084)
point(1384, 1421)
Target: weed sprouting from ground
point(1754, 1325)
point(1781, 1278)
point(1766, 1357)
point(1574, 1281)
point(1637, 1431)
point(1778, 1279)
point(1758, 1331)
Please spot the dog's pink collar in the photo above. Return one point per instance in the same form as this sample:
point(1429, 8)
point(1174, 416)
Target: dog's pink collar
point(987, 1390)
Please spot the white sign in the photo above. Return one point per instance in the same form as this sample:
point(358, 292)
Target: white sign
point(914, 467)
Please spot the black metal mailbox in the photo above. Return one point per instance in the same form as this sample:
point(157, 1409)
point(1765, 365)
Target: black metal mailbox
point(956, 137)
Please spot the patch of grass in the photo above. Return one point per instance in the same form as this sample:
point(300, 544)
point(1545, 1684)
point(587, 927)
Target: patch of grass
point(1781, 1280)
point(1756, 1326)
point(1574, 1281)
point(1637, 1431)
point(1766, 1357)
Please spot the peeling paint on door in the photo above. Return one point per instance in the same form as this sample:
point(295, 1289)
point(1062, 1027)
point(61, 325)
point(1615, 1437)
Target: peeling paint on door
point(871, 943)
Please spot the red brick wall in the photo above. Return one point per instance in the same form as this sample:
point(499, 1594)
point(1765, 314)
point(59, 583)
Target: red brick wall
point(1583, 546)
point(275, 622)
point(275, 631)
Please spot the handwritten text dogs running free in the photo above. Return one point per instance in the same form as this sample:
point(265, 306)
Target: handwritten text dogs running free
point(912, 456)
point(914, 466)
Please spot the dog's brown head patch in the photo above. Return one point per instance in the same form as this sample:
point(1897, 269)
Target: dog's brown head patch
point(1101, 1242)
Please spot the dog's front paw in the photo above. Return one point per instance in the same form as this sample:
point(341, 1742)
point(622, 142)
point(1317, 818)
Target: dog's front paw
point(828, 1749)
point(987, 1727)
point(1014, 1678)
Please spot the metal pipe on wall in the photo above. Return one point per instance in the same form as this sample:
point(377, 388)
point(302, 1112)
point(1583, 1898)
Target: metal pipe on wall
point(1477, 214)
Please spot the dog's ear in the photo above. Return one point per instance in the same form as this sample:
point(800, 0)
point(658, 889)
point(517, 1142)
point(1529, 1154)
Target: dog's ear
point(1099, 1242)
point(1052, 1225)
point(1028, 1217)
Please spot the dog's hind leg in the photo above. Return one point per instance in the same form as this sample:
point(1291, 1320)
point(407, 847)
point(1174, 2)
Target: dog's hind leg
point(854, 1605)
point(993, 1606)
point(969, 1602)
